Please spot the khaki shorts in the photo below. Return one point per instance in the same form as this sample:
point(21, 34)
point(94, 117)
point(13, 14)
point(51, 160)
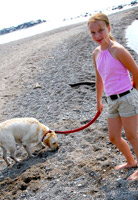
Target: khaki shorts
point(125, 106)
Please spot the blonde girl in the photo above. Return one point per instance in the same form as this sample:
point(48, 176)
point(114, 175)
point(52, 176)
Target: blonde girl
point(112, 65)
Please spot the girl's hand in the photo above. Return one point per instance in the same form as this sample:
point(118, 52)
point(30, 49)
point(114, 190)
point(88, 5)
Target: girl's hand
point(99, 107)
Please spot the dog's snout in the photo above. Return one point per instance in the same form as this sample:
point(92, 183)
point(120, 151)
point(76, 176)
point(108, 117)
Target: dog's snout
point(56, 149)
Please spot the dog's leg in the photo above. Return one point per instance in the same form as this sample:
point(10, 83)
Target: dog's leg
point(12, 151)
point(13, 157)
point(42, 145)
point(26, 147)
point(5, 156)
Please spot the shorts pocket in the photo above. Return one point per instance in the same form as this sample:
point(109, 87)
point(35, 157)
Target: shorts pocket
point(133, 98)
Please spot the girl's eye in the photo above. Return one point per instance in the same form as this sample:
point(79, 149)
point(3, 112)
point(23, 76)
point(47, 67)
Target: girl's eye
point(92, 33)
point(100, 30)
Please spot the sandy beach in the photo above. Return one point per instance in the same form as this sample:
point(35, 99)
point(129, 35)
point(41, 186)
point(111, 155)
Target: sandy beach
point(51, 77)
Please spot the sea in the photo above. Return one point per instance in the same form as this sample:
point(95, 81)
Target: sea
point(58, 13)
point(132, 36)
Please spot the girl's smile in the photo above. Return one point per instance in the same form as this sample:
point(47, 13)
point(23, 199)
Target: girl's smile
point(99, 41)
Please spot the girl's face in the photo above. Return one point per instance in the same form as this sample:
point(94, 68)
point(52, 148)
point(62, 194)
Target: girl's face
point(100, 32)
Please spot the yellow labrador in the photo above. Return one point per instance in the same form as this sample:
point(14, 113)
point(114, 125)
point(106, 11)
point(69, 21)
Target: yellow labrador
point(25, 131)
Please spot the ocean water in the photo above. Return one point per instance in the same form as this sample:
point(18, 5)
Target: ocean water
point(40, 28)
point(132, 36)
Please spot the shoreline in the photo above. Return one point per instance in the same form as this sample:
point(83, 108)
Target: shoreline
point(36, 76)
point(131, 36)
point(25, 33)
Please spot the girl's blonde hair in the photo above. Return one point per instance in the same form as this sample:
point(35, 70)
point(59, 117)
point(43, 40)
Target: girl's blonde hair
point(100, 17)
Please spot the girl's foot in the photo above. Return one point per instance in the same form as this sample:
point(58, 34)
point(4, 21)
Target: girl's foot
point(126, 165)
point(134, 176)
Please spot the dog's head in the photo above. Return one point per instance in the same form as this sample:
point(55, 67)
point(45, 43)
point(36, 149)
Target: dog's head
point(50, 140)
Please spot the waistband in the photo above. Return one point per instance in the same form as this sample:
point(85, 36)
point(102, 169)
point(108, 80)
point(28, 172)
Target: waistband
point(116, 96)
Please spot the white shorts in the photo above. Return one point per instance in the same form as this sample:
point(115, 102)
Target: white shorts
point(125, 106)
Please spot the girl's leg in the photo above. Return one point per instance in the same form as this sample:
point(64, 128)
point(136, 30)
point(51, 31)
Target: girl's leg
point(130, 126)
point(115, 128)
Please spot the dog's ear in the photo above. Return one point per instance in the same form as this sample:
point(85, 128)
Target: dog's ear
point(46, 142)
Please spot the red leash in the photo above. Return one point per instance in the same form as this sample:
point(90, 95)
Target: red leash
point(81, 128)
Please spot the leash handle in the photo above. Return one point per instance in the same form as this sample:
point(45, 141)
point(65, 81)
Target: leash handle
point(81, 128)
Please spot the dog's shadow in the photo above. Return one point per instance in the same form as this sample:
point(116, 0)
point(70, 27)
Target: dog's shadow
point(18, 168)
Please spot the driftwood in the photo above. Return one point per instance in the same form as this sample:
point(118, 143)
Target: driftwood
point(91, 83)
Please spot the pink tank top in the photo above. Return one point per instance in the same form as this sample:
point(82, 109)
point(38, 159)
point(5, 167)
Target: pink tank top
point(115, 76)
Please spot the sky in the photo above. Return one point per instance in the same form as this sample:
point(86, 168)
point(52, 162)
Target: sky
point(14, 12)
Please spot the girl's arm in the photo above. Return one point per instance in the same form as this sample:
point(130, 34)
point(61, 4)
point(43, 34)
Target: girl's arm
point(127, 60)
point(99, 86)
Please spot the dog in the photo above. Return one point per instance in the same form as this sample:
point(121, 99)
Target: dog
point(25, 131)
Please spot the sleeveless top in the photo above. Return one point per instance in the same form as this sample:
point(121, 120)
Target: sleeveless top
point(115, 75)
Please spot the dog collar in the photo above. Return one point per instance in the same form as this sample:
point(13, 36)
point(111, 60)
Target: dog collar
point(46, 134)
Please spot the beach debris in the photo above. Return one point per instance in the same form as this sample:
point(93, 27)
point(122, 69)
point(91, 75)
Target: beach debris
point(36, 85)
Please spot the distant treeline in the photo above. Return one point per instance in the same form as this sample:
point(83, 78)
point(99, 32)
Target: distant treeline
point(21, 26)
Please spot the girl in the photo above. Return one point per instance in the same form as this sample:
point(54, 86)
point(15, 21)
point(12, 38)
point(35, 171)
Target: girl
point(113, 64)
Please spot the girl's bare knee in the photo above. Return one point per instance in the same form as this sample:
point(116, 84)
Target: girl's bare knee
point(113, 139)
